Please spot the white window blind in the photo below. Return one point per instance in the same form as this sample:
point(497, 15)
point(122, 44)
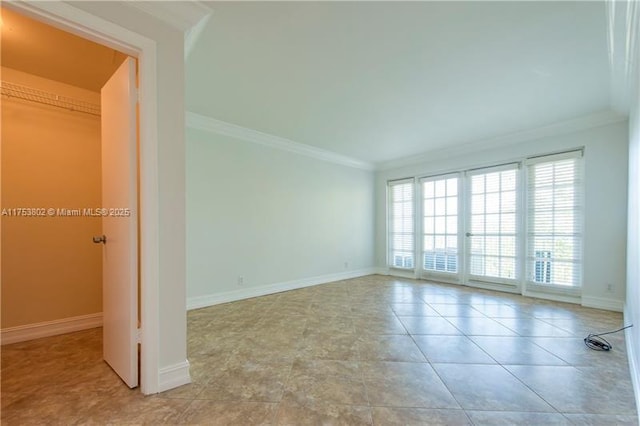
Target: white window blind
point(401, 224)
point(440, 224)
point(554, 220)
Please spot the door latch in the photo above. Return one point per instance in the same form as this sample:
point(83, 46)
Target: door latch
point(100, 239)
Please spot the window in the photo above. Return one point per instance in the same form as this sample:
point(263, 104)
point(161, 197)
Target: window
point(401, 229)
point(440, 224)
point(554, 220)
point(517, 224)
point(492, 236)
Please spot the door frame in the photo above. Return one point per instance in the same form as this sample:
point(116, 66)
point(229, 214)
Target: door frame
point(88, 26)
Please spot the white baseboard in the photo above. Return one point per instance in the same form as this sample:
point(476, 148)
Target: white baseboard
point(50, 328)
point(174, 375)
point(603, 303)
point(392, 272)
point(632, 357)
point(197, 302)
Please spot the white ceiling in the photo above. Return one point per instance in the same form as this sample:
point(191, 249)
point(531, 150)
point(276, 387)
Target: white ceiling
point(379, 81)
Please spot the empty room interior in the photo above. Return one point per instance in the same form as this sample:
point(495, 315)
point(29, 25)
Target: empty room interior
point(320, 213)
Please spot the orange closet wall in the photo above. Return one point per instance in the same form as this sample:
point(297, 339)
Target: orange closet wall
point(51, 269)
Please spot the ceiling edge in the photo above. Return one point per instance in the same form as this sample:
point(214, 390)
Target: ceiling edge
point(589, 121)
point(182, 15)
point(212, 125)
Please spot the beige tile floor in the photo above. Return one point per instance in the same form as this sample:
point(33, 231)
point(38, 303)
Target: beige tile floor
point(372, 350)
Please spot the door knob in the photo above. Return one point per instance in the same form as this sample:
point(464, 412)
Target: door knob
point(100, 239)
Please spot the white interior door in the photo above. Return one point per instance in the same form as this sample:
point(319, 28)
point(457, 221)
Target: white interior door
point(119, 224)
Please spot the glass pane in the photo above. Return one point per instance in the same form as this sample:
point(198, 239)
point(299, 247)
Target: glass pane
point(563, 248)
point(428, 243)
point(508, 246)
point(429, 225)
point(476, 265)
point(508, 202)
point(493, 223)
point(477, 204)
point(477, 245)
point(429, 261)
point(508, 268)
point(509, 180)
point(493, 203)
point(452, 244)
point(508, 225)
point(452, 224)
point(493, 182)
point(492, 246)
point(452, 205)
point(441, 188)
point(428, 189)
point(440, 206)
point(492, 266)
point(477, 224)
point(452, 187)
point(429, 207)
point(440, 225)
point(477, 184)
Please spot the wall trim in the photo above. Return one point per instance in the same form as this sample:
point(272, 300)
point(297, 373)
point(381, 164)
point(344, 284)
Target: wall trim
point(632, 356)
point(212, 125)
point(598, 119)
point(174, 375)
point(395, 272)
point(198, 302)
point(22, 333)
point(603, 303)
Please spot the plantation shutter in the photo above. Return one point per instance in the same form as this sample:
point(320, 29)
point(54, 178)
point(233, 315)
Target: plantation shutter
point(555, 211)
point(401, 224)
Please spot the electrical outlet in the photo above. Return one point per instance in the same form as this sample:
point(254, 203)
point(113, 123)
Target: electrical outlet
point(609, 288)
point(346, 265)
point(240, 280)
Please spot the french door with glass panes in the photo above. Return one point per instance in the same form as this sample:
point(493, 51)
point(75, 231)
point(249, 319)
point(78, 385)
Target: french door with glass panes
point(440, 224)
point(491, 242)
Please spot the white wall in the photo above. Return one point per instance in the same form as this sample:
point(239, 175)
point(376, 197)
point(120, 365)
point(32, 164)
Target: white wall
point(632, 305)
point(276, 218)
point(605, 198)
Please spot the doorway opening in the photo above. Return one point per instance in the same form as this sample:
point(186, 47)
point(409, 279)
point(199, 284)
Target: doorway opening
point(53, 177)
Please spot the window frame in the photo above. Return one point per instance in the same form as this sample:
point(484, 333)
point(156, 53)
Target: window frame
point(390, 217)
point(444, 276)
point(554, 288)
point(516, 281)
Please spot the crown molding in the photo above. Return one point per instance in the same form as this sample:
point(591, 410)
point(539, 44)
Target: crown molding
point(192, 35)
point(212, 125)
point(590, 121)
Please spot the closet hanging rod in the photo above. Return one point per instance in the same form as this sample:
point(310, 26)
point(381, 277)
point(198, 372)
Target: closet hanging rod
point(18, 91)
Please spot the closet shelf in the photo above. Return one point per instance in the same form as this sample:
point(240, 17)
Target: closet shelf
point(18, 91)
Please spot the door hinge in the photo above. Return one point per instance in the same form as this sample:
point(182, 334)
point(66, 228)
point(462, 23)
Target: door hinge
point(139, 336)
